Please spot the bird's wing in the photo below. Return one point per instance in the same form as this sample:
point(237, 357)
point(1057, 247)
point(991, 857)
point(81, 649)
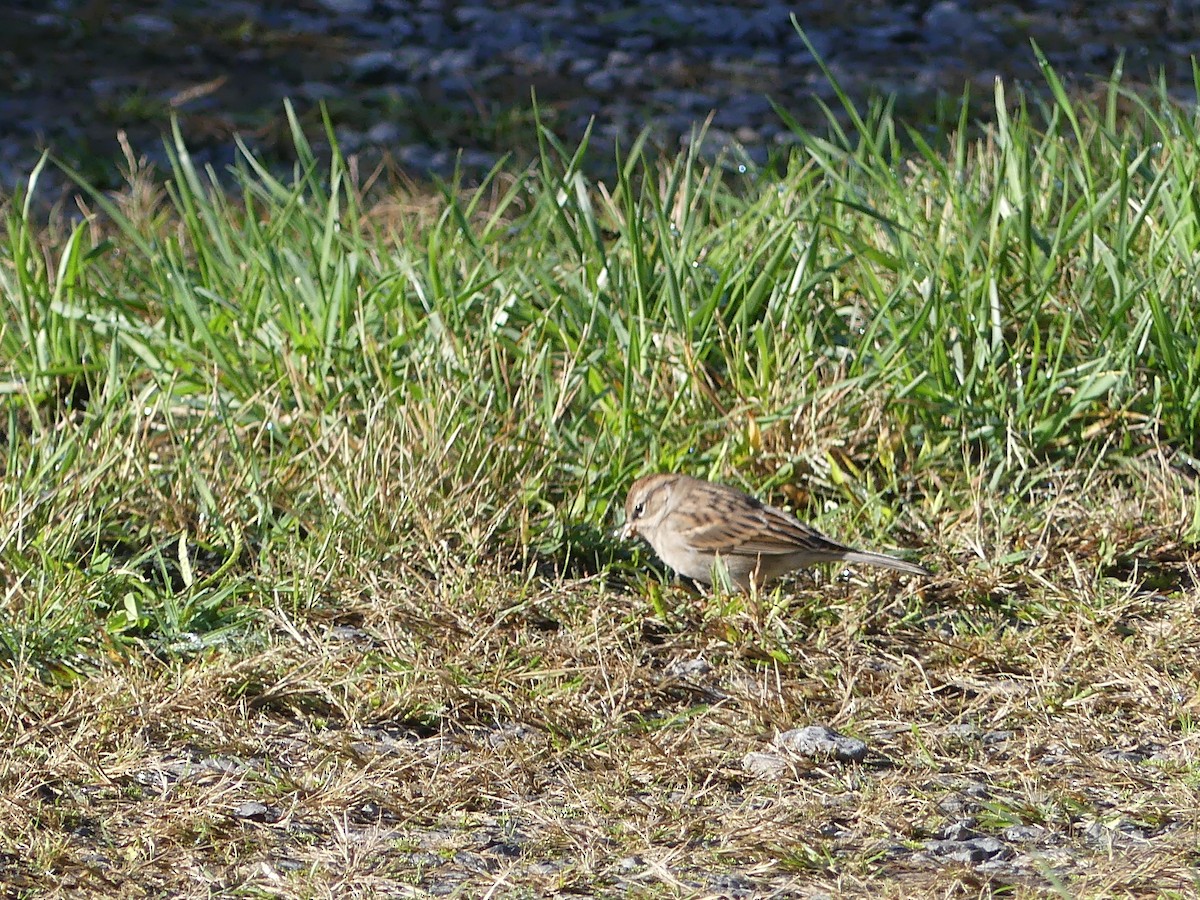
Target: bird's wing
point(755, 530)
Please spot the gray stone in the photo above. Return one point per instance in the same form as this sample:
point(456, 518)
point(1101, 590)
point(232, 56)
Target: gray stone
point(454, 61)
point(583, 65)
point(1112, 754)
point(373, 67)
point(144, 23)
point(254, 811)
point(602, 80)
point(347, 7)
point(1023, 834)
point(959, 831)
point(766, 765)
point(383, 133)
point(349, 140)
point(963, 731)
point(318, 90)
point(696, 667)
point(477, 160)
point(820, 741)
point(637, 43)
point(733, 885)
point(974, 850)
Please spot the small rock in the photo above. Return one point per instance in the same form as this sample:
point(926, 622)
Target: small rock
point(1023, 834)
point(975, 850)
point(963, 731)
point(953, 804)
point(637, 43)
point(383, 133)
point(996, 737)
point(374, 67)
point(509, 733)
point(997, 867)
point(820, 741)
point(455, 61)
point(962, 830)
point(477, 161)
point(1054, 759)
point(601, 80)
point(416, 157)
point(766, 765)
point(318, 90)
point(349, 140)
point(738, 109)
point(348, 633)
point(254, 811)
point(148, 24)
point(583, 65)
point(732, 885)
point(1112, 754)
point(347, 7)
point(689, 668)
point(226, 765)
point(108, 87)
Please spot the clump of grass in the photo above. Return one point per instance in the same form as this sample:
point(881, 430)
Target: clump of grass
point(306, 495)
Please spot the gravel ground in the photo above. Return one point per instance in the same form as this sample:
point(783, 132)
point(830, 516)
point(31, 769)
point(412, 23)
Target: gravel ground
point(423, 80)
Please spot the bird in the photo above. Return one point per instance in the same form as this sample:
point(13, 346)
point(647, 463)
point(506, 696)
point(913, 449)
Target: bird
point(694, 524)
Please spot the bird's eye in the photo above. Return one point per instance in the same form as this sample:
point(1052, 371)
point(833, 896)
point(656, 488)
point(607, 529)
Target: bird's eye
point(638, 510)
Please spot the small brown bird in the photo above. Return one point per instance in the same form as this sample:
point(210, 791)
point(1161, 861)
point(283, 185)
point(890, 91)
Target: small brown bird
point(691, 524)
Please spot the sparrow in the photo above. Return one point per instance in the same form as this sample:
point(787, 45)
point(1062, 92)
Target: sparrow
point(692, 525)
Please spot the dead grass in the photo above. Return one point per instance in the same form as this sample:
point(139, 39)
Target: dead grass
point(497, 732)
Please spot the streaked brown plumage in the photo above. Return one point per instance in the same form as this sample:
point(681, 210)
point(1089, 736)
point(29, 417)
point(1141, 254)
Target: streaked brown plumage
point(692, 523)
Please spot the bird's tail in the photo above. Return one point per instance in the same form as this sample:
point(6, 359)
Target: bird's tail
point(882, 559)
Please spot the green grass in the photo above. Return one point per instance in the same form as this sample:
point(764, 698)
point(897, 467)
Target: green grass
point(307, 490)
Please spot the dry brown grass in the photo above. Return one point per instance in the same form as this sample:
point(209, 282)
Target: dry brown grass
point(498, 731)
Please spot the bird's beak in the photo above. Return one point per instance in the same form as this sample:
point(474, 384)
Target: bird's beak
point(626, 531)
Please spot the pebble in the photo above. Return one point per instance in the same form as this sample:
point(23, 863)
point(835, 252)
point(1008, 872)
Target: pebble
point(1113, 754)
point(254, 811)
point(696, 667)
point(347, 7)
point(1023, 834)
point(150, 24)
point(963, 731)
point(821, 741)
point(973, 850)
point(766, 765)
point(960, 831)
point(373, 67)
